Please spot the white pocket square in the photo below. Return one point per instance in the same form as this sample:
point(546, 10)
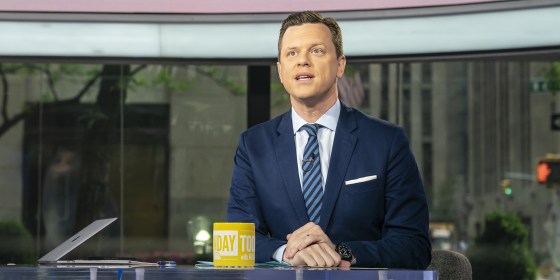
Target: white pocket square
point(361, 180)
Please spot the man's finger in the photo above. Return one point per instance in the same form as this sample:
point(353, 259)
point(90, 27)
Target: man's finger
point(331, 252)
point(303, 237)
point(293, 246)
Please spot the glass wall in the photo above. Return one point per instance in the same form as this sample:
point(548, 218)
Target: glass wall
point(477, 129)
point(153, 144)
point(150, 144)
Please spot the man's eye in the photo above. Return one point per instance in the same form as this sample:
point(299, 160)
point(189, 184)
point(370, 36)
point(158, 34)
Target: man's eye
point(292, 53)
point(317, 51)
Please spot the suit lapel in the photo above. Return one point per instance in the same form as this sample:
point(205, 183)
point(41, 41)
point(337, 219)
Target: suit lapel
point(285, 149)
point(343, 146)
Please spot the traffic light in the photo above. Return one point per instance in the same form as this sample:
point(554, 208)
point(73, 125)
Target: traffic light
point(506, 187)
point(548, 171)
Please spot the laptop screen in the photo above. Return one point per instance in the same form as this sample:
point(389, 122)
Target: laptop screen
point(74, 241)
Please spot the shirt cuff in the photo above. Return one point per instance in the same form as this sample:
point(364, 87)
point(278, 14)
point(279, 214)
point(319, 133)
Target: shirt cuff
point(278, 255)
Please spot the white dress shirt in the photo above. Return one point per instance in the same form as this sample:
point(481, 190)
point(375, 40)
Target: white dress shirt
point(325, 136)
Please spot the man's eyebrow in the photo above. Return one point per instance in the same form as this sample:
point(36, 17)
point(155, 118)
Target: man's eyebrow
point(310, 46)
point(291, 48)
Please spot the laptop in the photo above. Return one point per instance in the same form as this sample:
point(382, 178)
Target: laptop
point(53, 257)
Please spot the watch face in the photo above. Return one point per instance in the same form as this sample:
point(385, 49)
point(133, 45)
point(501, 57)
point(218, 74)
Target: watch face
point(344, 252)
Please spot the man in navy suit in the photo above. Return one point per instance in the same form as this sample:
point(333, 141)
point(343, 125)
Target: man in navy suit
point(371, 206)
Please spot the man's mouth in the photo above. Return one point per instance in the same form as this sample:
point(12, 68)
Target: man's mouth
point(304, 77)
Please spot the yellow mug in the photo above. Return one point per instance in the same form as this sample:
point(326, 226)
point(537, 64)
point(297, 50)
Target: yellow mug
point(234, 245)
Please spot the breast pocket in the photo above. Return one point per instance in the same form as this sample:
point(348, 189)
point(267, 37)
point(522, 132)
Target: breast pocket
point(363, 200)
point(362, 184)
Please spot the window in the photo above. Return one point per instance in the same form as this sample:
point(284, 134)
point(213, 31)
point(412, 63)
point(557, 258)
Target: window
point(150, 144)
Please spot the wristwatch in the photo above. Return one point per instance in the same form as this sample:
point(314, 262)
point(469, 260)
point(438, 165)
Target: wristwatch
point(345, 253)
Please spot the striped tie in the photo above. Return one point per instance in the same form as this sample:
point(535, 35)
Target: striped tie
point(312, 178)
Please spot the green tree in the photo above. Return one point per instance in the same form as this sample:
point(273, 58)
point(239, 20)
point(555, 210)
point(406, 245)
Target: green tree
point(16, 244)
point(553, 77)
point(501, 251)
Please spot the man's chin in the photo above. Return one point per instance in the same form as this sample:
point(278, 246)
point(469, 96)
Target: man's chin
point(306, 98)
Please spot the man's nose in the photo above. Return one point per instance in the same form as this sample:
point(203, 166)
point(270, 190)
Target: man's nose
point(303, 60)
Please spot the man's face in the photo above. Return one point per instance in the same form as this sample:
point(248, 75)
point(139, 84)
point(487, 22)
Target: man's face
point(308, 66)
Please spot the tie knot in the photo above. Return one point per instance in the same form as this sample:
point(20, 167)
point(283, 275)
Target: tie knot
point(311, 128)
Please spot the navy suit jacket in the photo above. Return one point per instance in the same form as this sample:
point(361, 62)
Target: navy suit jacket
point(384, 221)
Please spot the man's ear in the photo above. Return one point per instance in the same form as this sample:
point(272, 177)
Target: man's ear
point(279, 67)
point(341, 66)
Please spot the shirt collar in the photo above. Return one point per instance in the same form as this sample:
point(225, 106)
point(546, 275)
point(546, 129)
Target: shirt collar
point(328, 120)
